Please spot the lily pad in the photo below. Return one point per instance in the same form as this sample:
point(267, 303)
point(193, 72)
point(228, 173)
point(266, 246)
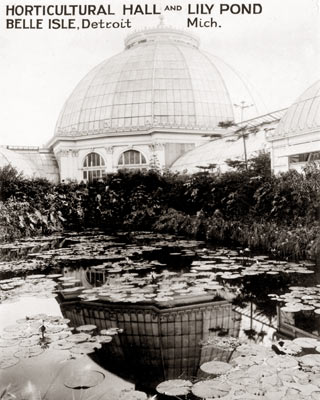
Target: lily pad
point(248, 361)
point(11, 335)
point(110, 331)
point(215, 367)
point(306, 343)
point(8, 343)
point(288, 347)
point(310, 360)
point(211, 388)
point(79, 379)
point(261, 371)
point(12, 328)
point(62, 345)
point(254, 349)
point(78, 338)
point(36, 276)
point(239, 376)
point(8, 361)
point(66, 278)
point(33, 341)
point(293, 375)
point(132, 395)
point(174, 387)
point(29, 352)
point(282, 362)
point(86, 328)
point(293, 308)
point(103, 338)
point(85, 348)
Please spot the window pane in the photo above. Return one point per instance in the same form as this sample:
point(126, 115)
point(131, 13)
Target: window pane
point(93, 160)
point(132, 157)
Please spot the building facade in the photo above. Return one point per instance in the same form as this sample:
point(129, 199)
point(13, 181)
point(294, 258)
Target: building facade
point(145, 106)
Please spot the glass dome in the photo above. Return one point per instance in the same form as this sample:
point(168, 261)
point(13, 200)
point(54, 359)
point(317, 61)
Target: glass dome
point(161, 79)
point(303, 115)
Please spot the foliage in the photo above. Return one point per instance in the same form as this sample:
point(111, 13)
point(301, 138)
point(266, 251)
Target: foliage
point(226, 124)
point(257, 166)
point(249, 206)
point(20, 219)
point(8, 175)
point(283, 241)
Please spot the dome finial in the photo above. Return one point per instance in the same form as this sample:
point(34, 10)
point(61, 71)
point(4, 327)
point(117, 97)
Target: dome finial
point(161, 21)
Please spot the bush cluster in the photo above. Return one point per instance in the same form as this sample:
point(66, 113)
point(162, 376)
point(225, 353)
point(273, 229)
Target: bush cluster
point(247, 205)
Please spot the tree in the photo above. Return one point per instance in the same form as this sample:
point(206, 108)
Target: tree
point(8, 175)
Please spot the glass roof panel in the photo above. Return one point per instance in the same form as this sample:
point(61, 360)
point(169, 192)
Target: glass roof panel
point(163, 80)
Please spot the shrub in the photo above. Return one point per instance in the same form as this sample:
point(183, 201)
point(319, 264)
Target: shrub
point(247, 206)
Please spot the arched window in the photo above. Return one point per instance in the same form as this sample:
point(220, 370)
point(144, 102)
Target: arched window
point(132, 159)
point(93, 167)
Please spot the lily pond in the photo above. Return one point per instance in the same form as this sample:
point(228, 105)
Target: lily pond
point(137, 315)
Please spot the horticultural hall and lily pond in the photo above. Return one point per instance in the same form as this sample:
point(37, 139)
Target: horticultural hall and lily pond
point(157, 249)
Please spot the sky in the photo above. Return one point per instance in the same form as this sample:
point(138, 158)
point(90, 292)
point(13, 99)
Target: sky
point(277, 52)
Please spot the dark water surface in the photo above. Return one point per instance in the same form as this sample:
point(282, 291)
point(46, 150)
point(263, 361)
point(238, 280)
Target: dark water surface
point(159, 307)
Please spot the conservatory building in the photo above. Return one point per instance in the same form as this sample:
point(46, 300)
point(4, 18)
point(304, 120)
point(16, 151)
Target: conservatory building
point(147, 106)
point(160, 104)
point(296, 140)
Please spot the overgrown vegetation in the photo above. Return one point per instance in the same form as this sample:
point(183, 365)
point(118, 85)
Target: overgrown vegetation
point(248, 206)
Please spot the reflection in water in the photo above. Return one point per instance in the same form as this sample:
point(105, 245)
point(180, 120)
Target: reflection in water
point(157, 344)
point(297, 324)
point(44, 376)
point(176, 301)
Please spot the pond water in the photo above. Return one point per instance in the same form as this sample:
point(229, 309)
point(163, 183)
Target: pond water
point(95, 316)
